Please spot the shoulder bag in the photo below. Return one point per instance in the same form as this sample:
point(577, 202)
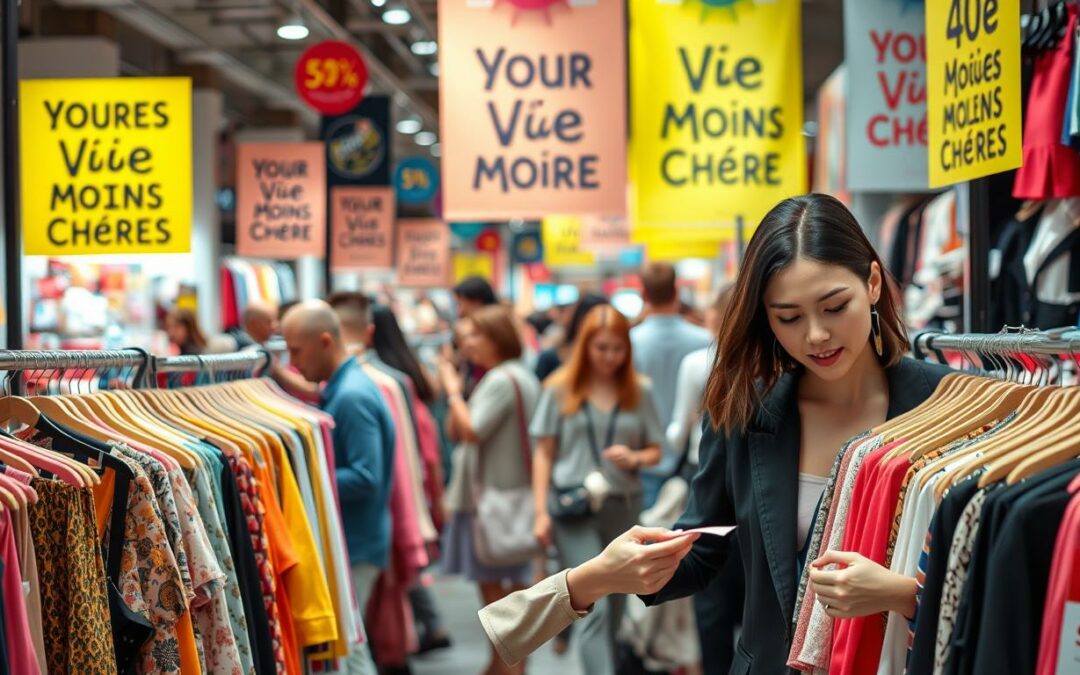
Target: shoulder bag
point(503, 523)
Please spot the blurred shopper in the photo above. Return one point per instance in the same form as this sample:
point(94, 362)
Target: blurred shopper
point(363, 447)
point(491, 429)
point(472, 294)
point(596, 428)
point(551, 359)
point(260, 322)
point(718, 608)
point(185, 333)
point(661, 342)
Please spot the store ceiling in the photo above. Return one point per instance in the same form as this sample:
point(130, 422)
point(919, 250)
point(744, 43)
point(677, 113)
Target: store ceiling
point(238, 39)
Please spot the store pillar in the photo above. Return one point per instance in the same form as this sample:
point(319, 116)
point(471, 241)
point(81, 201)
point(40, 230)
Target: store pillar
point(208, 116)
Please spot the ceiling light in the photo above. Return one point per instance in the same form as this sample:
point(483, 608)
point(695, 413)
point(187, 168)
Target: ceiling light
point(293, 28)
point(397, 16)
point(426, 138)
point(436, 150)
point(378, 3)
point(434, 69)
point(425, 47)
point(409, 125)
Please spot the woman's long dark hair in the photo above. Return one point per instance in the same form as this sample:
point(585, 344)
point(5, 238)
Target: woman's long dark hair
point(585, 303)
point(390, 344)
point(748, 361)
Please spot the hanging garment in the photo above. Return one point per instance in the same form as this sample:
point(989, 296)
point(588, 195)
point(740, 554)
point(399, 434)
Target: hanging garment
point(74, 603)
point(1052, 263)
point(1050, 170)
point(1008, 277)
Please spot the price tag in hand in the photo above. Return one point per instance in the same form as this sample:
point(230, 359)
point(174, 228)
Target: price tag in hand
point(718, 531)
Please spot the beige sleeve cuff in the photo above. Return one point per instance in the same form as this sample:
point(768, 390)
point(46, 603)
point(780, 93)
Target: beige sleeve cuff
point(524, 621)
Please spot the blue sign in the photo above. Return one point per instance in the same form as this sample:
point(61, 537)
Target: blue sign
point(416, 180)
point(527, 248)
point(633, 256)
point(467, 230)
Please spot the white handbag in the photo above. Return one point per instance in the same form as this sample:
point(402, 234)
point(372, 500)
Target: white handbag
point(503, 524)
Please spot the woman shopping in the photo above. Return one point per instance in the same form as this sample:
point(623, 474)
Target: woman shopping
point(596, 428)
point(494, 451)
point(812, 354)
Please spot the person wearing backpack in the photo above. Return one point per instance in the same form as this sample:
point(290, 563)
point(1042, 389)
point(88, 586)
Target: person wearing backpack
point(596, 427)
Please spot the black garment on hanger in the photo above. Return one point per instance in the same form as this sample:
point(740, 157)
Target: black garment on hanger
point(247, 571)
point(942, 529)
point(1022, 557)
point(900, 264)
point(963, 647)
point(1010, 290)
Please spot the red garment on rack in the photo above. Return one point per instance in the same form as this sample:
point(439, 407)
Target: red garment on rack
point(857, 642)
point(1050, 170)
point(230, 314)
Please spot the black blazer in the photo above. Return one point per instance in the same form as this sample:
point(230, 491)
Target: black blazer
point(751, 479)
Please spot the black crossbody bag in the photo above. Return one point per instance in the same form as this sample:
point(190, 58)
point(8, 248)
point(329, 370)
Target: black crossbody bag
point(572, 503)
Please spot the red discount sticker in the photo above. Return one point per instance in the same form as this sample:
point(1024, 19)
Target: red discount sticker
point(331, 76)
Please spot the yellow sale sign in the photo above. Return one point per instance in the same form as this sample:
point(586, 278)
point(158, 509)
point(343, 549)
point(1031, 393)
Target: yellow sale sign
point(716, 110)
point(973, 88)
point(106, 165)
point(562, 242)
point(473, 265)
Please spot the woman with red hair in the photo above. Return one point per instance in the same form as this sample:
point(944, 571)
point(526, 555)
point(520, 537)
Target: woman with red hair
point(596, 427)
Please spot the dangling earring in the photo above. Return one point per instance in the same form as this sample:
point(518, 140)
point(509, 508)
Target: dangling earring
point(875, 330)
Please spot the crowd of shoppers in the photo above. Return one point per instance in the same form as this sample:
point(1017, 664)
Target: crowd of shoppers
point(584, 427)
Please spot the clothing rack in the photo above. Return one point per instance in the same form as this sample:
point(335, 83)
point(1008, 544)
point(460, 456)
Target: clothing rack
point(43, 361)
point(257, 361)
point(1039, 343)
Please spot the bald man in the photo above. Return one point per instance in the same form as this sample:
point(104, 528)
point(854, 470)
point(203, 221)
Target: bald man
point(363, 446)
point(260, 321)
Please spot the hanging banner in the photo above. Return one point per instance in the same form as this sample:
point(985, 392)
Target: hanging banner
point(423, 253)
point(281, 200)
point(885, 53)
point(473, 265)
point(362, 228)
point(531, 107)
point(716, 110)
point(358, 144)
point(106, 165)
point(604, 234)
point(416, 180)
point(973, 77)
point(562, 242)
point(330, 77)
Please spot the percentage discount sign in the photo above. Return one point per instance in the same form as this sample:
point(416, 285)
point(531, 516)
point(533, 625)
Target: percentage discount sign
point(330, 77)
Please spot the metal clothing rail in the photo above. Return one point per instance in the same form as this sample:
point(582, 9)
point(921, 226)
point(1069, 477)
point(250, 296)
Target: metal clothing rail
point(255, 360)
point(12, 361)
point(1040, 343)
point(63, 360)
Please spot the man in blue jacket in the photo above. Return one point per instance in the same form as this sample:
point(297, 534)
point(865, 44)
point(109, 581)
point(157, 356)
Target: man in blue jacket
point(363, 446)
